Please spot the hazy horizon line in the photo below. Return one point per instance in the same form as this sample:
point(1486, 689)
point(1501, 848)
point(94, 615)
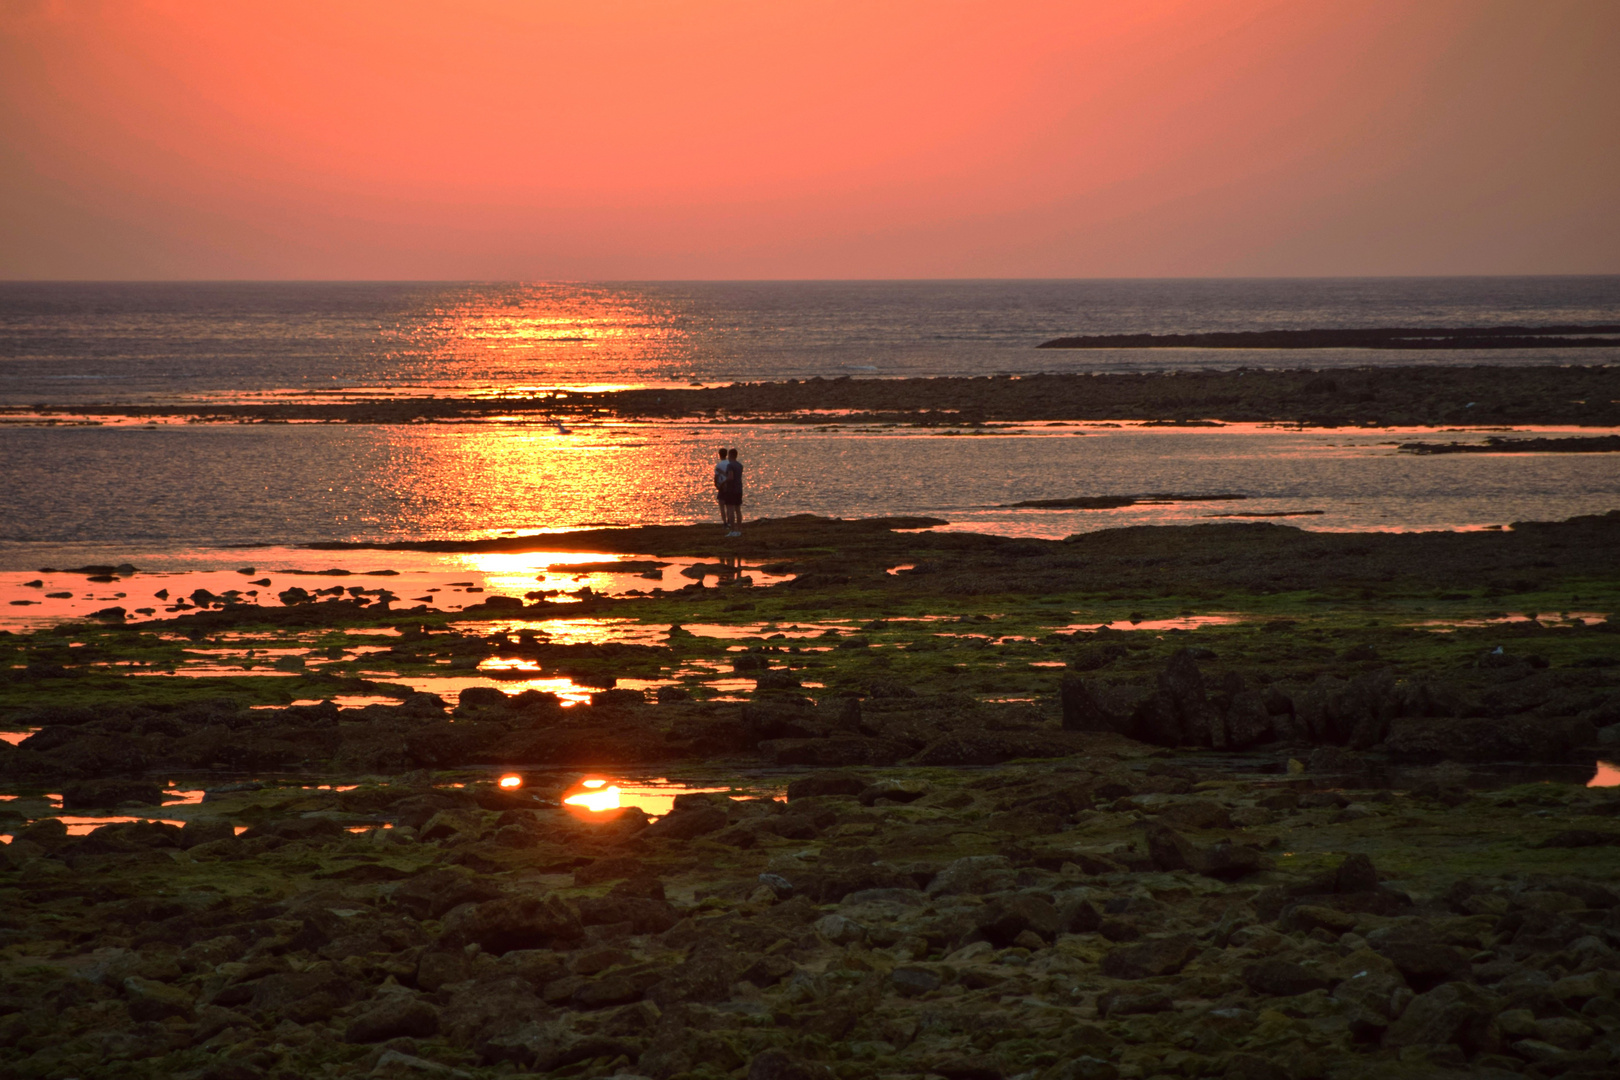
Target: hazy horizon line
point(788, 280)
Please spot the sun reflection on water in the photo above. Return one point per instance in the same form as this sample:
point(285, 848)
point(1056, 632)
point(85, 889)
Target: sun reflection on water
point(599, 795)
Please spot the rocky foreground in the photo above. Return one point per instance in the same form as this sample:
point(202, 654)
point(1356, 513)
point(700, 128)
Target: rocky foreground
point(1115, 914)
point(959, 842)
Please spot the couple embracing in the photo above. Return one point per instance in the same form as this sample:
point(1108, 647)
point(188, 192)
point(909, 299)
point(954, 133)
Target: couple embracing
point(728, 483)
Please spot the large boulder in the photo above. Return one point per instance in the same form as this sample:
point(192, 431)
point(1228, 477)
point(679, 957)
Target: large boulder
point(515, 922)
point(1084, 708)
point(1159, 956)
point(397, 1016)
point(1526, 737)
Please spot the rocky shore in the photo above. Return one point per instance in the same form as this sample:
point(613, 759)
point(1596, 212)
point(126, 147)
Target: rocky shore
point(1586, 395)
point(1235, 801)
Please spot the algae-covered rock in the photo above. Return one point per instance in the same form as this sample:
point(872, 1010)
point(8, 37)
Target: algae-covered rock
point(398, 1016)
point(1159, 956)
point(515, 922)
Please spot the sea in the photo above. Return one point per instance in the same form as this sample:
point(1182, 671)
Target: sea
point(173, 497)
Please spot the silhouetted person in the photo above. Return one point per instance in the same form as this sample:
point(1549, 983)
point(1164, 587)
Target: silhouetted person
point(731, 492)
point(722, 469)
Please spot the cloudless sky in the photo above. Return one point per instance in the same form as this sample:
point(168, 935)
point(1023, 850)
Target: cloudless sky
point(649, 139)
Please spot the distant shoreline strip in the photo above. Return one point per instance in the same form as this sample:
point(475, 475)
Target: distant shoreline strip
point(1393, 337)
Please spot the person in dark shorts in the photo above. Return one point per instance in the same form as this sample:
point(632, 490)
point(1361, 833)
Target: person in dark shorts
point(722, 469)
point(731, 492)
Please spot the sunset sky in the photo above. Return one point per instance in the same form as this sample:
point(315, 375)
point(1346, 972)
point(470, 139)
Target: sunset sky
point(492, 139)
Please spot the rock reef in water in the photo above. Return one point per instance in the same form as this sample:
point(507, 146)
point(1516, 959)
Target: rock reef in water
point(1499, 444)
point(1395, 337)
point(1381, 396)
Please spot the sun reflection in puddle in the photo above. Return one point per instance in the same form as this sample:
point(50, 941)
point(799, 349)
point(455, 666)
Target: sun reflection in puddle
point(655, 798)
point(1607, 775)
point(81, 826)
point(1185, 622)
point(754, 630)
point(448, 582)
point(1546, 618)
point(15, 737)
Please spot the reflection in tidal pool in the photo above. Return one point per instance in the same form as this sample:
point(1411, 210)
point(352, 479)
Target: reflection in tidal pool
point(1607, 775)
point(82, 826)
point(655, 798)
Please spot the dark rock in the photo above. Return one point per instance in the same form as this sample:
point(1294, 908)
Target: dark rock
point(1256, 1067)
point(1007, 919)
point(400, 1017)
point(299, 828)
point(1248, 721)
point(48, 833)
point(206, 830)
point(968, 1068)
point(1426, 964)
point(1197, 815)
point(969, 747)
point(685, 824)
point(836, 751)
point(515, 922)
point(1161, 956)
point(1085, 710)
point(780, 1065)
point(1086, 1067)
point(480, 1010)
point(152, 1000)
point(616, 988)
point(769, 719)
point(1579, 838)
point(1116, 1003)
point(1453, 1013)
point(1526, 737)
point(607, 869)
point(646, 916)
point(1080, 917)
point(95, 794)
point(705, 976)
point(437, 967)
point(911, 980)
point(1280, 978)
point(894, 791)
point(302, 997)
point(430, 895)
point(482, 697)
point(768, 970)
point(1169, 850)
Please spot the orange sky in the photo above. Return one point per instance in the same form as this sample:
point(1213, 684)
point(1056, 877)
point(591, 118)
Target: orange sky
point(666, 139)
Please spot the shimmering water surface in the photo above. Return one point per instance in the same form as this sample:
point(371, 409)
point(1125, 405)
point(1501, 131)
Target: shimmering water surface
point(162, 497)
point(86, 342)
point(177, 497)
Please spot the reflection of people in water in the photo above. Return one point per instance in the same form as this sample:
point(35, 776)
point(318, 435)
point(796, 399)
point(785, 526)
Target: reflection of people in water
point(731, 493)
point(721, 469)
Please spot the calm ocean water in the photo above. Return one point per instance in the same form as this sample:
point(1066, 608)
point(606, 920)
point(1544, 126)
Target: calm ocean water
point(68, 343)
point(70, 495)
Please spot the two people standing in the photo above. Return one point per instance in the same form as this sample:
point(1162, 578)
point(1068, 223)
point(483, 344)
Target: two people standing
point(728, 488)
